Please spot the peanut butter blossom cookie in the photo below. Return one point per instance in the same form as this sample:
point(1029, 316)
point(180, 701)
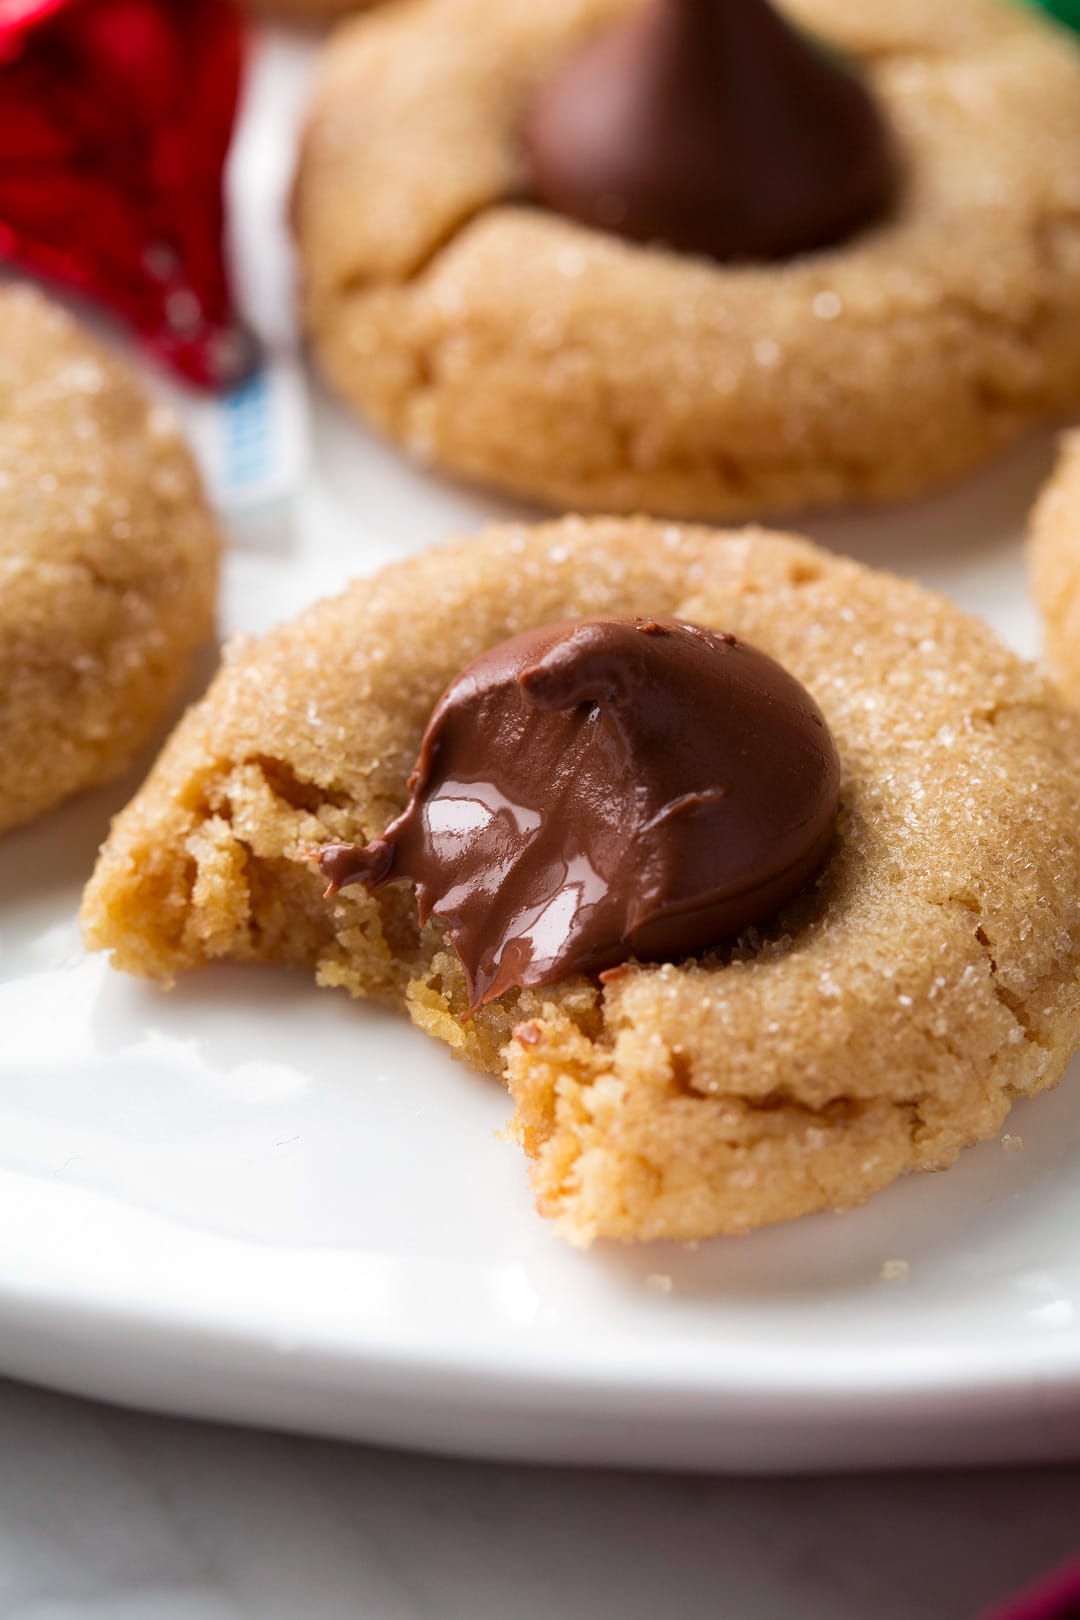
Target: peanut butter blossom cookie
point(108, 560)
point(753, 872)
point(703, 257)
point(1055, 560)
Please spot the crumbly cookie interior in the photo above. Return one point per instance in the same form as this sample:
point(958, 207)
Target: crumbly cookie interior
point(888, 1017)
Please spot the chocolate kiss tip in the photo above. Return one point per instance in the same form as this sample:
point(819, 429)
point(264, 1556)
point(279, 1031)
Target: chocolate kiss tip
point(712, 127)
point(580, 668)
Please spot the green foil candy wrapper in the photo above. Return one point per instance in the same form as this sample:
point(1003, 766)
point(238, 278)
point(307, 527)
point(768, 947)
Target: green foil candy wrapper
point(1066, 11)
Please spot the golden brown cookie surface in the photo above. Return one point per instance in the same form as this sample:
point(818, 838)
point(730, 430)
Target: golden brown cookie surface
point(512, 347)
point(1055, 561)
point(108, 558)
point(884, 1020)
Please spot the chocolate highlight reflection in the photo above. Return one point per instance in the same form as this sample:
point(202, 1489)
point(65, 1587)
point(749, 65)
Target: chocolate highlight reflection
point(712, 127)
point(594, 791)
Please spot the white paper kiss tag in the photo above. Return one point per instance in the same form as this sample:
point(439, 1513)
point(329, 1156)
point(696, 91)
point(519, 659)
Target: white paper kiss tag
point(254, 445)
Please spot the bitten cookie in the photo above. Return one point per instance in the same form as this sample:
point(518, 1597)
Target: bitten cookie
point(509, 345)
point(108, 557)
point(1055, 564)
point(889, 1015)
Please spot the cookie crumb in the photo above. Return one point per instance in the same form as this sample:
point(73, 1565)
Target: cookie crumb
point(895, 1271)
point(1012, 1144)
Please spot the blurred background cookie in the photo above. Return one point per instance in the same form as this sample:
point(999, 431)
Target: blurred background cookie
point(108, 559)
point(493, 334)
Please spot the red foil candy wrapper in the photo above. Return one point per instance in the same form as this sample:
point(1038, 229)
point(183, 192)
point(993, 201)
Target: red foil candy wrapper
point(1057, 1599)
point(115, 122)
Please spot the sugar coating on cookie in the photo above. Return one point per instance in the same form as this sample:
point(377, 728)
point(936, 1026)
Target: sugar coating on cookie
point(1055, 565)
point(517, 348)
point(108, 558)
point(883, 1020)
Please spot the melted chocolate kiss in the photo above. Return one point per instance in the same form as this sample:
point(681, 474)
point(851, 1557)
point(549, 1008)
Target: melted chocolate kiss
point(715, 127)
point(590, 792)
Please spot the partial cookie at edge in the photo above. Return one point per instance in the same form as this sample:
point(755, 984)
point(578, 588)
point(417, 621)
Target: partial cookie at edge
point(108, 554)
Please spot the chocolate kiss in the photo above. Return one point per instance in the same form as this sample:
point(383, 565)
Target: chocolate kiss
point(592, 791)
point(713, 127)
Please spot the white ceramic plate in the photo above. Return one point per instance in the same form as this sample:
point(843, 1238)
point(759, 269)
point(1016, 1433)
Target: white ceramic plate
point(249, 1199)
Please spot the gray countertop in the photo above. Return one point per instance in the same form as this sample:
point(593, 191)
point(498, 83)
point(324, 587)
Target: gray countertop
point(109, 1515)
